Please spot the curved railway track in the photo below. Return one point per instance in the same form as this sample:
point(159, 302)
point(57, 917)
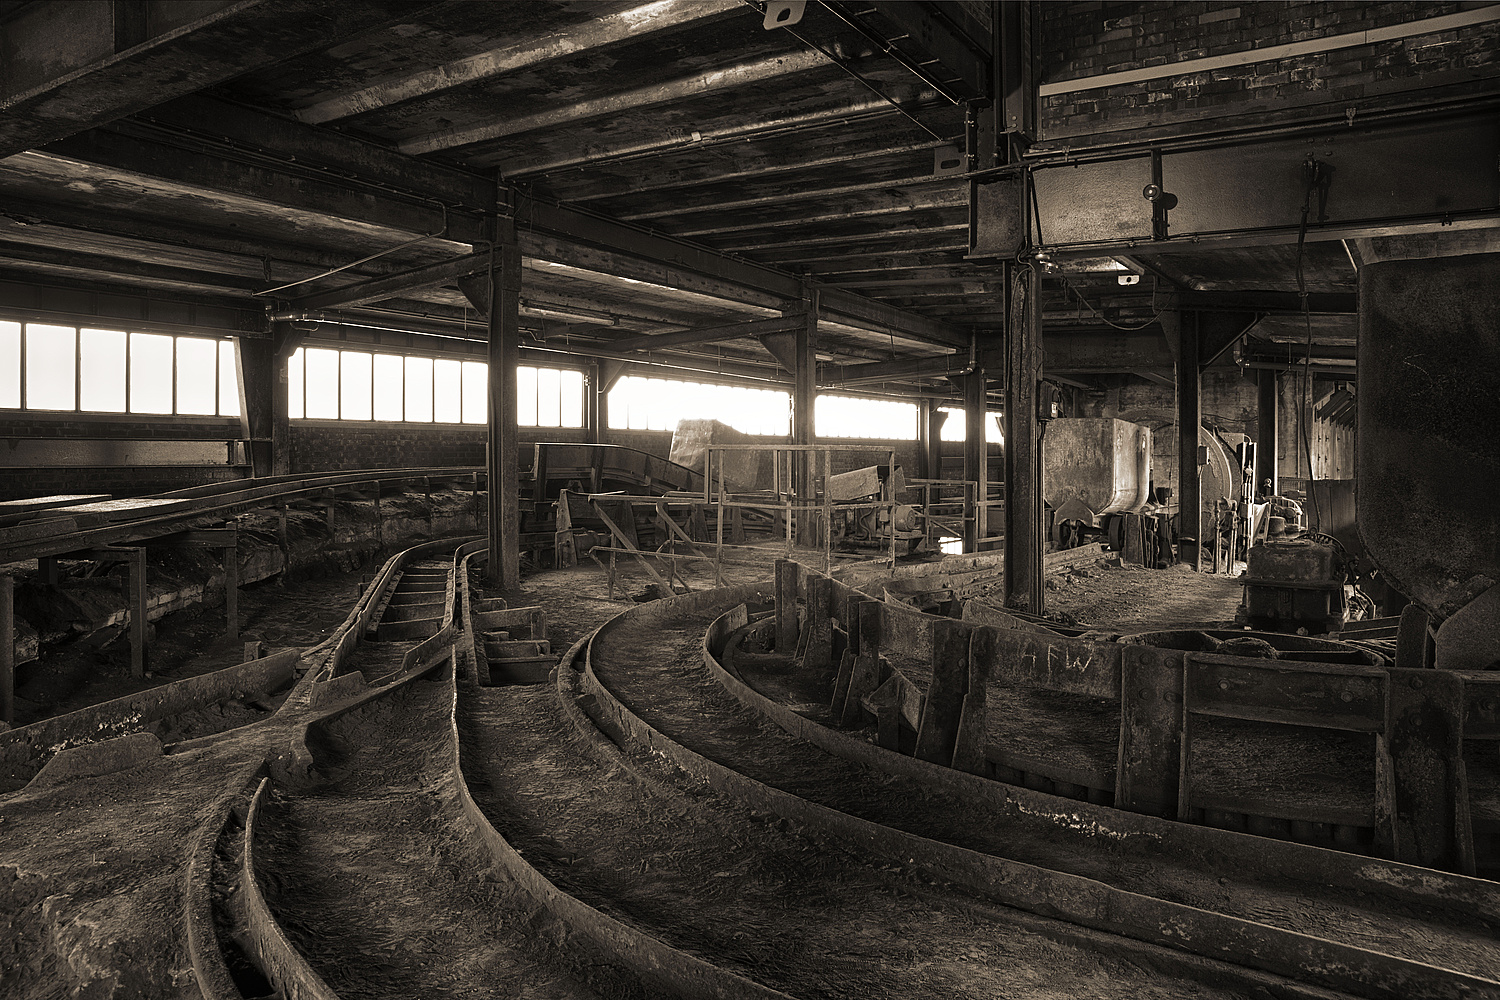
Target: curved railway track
point(640, 824)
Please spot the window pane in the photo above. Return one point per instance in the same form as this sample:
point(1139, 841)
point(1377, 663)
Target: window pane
point(229, 381)
point(572, 399)
point(419, 389)
point(850, 417)
point(197, 375)
point(658, 404)
point(322, 384)
point(389, 382)
point(10, 365)
point(548, 397)
point(446, 387)
point(526, 396)
point(150, 373)
point(476, 392)
point(101, 372)
point(955, 428)
point(51, 366)
point(294, 368)
point(354, 385)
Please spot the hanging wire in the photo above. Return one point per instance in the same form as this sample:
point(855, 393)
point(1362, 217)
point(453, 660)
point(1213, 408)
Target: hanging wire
point(1155, 312)
point(366, 260)
point(853, 73)
point(1310, 177)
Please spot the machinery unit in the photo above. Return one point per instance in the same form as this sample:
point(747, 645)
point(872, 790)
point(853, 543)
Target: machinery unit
point(875, 484)
point(1297, 583)
point(1093, 466)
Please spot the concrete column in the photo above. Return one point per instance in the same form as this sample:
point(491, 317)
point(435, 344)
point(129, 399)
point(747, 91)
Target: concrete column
point(976, 455)
point(284, 343)
point(502, 456)
point(1024, 521)
point(936, 418)
point(1265, 429)
point(1189, 417)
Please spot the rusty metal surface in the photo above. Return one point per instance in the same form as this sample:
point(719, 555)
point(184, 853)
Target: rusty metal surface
point(1101, 462)
point(1428, 455)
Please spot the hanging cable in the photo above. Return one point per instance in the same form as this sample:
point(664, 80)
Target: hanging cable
point(1155, 312)
point(1311, 175)
point(366, 260)
point(853, 73)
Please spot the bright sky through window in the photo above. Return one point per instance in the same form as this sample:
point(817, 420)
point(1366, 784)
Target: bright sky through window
point(101, 375)
point(955, 429)
point(655, 404)
point(358, 385)
point(852, 417)
point(150, 373)
point(51, 354)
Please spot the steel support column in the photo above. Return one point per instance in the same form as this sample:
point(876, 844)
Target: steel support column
point(1189, 416)
point(804, 399)
point(1265, 428)
point(504, 526)
point(976, 453)
point(7, 650)
point(1024, 527)
point(596, 402)
point(284, 343)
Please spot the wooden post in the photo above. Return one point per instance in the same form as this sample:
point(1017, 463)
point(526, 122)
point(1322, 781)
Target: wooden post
point(138, 621)
point(973, 723)
point(1024, 521)
point(938, 733)
point(786, 606)
point(1146, 773)
point(504, 566)
point(1189, 417)
point(846, 662)
point(819, 625)
point(865, 676)
point(7, 650)
point(1423, 744)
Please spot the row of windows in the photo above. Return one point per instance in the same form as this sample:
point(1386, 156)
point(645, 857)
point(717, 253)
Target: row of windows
point(357, 385)
point(48, 367)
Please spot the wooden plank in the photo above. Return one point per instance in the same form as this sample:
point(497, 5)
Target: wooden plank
point(1481, 706)
point(1146, 777)
point(1424, 738)
point(1054, 663)
point(819, 652)
point(973, 721)
point(864, 676)
point(1325, 697)
point(945, 695)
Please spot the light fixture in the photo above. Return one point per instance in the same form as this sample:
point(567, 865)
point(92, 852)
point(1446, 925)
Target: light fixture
point(1151, 192)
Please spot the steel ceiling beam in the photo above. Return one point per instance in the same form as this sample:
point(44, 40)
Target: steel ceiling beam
point(384, 287)
point(94, 72)
point(600, 241)
point(706, 335)
point(969, 68)
point(622, 27)
point(856, 109)
point(73, 261)
point(904, 368)
point(747, 74)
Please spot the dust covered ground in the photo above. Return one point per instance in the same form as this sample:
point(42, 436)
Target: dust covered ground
point(1135, 599)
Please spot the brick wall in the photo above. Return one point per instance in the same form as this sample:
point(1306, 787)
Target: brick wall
point(1082, 40)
